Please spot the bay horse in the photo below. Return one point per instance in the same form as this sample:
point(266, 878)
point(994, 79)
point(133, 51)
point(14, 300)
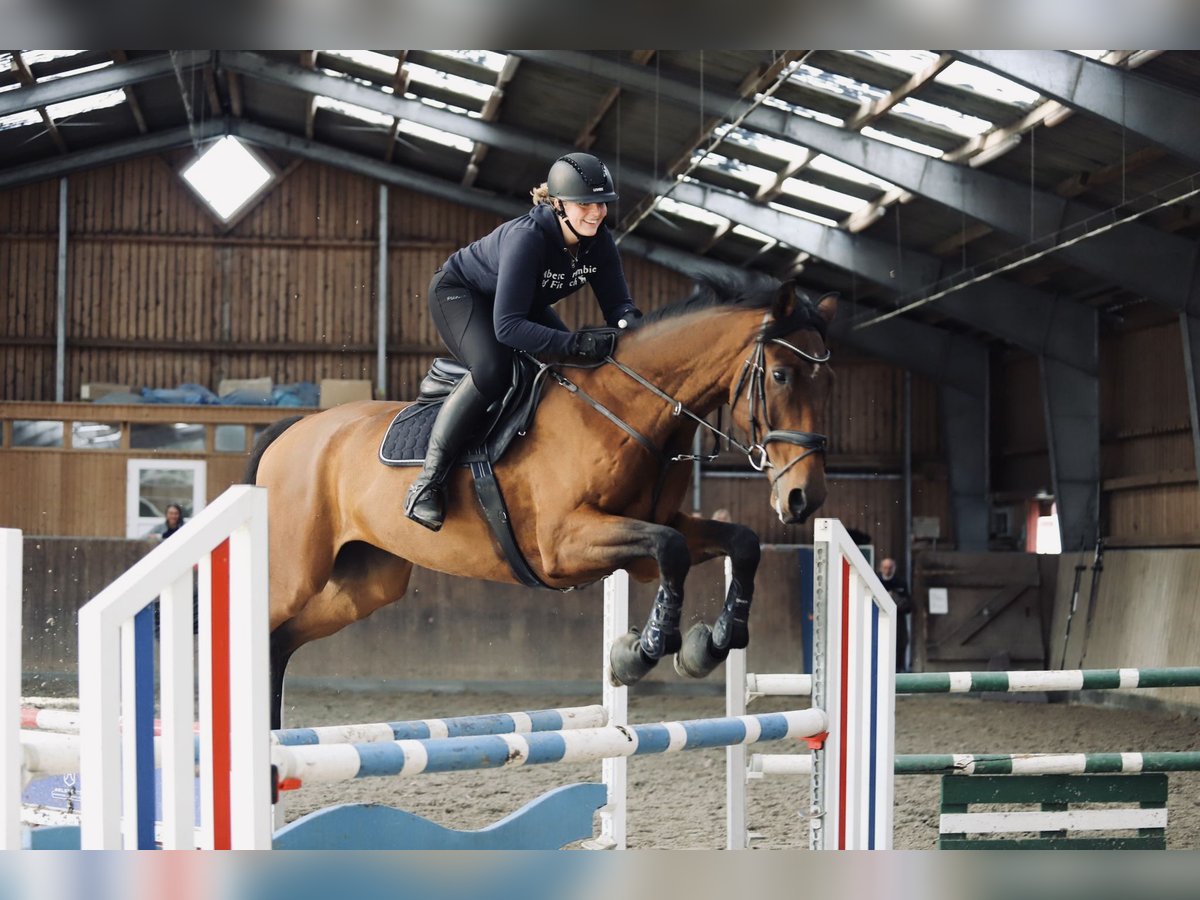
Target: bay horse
point(585, 496)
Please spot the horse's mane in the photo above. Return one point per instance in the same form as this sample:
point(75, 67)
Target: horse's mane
point(742, 292)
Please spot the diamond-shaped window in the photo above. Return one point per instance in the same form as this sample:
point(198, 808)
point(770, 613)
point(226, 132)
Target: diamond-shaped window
point(227, 176)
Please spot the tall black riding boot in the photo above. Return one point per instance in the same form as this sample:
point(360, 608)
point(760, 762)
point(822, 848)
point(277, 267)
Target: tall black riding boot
point(462, 412)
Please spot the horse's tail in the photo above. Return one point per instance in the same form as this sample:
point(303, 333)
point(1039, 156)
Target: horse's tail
point(264, 441)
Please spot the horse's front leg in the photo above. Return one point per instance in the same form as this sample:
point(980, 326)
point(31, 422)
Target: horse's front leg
point(706, 648)
point(614, 542)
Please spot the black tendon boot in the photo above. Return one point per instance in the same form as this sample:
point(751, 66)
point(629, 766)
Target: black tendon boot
point(461, 413)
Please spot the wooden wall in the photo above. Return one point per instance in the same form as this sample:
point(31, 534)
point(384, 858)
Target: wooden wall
point(160, 294)
point(63, 491)
point(1150, 494)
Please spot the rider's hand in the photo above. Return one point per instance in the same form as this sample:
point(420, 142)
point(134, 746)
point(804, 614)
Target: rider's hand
point(593, 344)
point(629, 317)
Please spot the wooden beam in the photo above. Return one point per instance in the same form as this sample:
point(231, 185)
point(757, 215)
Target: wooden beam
point(233, 82)
point(120, 57)
point(180, 346)
point(308, 59)
point(587, 134)
point(491, 111)
point(399, 86)
point(26, 76)
point(210, 89)
point(754, 82)
point(873, 112)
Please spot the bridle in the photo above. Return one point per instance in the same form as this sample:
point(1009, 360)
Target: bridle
point(752, 380)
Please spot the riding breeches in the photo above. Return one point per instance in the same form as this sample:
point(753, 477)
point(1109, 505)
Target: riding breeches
point(464, 320)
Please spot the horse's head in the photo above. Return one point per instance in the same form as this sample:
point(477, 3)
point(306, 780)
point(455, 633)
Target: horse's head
point(780, 400)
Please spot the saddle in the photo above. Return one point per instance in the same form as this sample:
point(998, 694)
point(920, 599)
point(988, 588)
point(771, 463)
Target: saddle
point(407, 440)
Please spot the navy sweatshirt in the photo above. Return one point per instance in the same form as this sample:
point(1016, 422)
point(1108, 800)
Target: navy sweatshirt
point(524, 265)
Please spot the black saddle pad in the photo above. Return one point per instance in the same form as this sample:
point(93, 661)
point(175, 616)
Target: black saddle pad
point(407, 438)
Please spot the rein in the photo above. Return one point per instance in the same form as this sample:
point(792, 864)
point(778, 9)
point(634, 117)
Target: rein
point(753, 377)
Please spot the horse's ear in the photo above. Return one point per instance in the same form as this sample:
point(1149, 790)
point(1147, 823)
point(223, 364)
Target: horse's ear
point(785, 301)
point(827, 306)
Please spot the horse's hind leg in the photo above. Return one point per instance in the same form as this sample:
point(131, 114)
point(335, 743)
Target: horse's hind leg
point(706, 648)
point(282, 647)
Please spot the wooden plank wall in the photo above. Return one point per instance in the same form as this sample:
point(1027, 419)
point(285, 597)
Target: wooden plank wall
point(1150, 494)
point(160, 294)
point(62, 491)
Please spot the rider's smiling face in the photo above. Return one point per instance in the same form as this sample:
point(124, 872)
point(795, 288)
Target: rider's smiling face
point(585, 218)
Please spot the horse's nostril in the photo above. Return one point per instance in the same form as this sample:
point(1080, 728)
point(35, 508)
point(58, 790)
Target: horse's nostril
point(796, 502)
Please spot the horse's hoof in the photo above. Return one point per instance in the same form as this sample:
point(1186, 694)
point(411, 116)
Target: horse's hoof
point(698, 657)
point(626, 661)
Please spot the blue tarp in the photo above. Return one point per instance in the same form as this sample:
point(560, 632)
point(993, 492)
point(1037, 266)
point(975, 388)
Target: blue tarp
point(302, 393)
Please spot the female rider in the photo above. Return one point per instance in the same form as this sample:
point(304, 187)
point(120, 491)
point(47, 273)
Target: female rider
point(496, 294)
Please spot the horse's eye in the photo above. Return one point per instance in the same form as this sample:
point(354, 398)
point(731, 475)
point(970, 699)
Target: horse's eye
point(780, 376)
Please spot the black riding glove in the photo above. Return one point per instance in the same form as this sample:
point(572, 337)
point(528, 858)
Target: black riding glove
point(629, 317)
point(593, 344)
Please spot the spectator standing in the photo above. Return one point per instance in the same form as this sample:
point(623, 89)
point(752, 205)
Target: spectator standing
point(903, 600)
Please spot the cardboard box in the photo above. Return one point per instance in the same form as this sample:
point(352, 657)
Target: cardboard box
point(97, 389)
point(255, 385)
point(336, 391)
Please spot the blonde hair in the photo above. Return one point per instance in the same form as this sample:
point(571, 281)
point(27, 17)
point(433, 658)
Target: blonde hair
point(541, 195)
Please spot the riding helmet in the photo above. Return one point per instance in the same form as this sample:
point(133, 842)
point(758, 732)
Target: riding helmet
point(581, 178)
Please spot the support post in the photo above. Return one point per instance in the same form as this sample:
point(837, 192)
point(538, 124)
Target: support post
point(854, 683)
point(737, 836)
point(11, 755)
point(60, 325)
point(616, 700)
point(381, 324)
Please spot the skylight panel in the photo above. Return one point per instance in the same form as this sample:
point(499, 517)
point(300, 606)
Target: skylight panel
point(748, 232)
point(824, 196)
point(942, 116)
point(33, 57)
point(839, 85)
point(735, 168)
point(802, 214)
point(694, 213)
point(82, 70)
point(69, 108)
point(776, 103)
point(455, 83)
point(449, 107)
point(783, 150)
point(21, 119)
point(987, 84)
point(489, 59)
point(227, 176)
point(1091, 54)
point(910, 61)
point(898, 141)
point(354, 111)
point(437, 135)
point(380, 62)
point(839, 169)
